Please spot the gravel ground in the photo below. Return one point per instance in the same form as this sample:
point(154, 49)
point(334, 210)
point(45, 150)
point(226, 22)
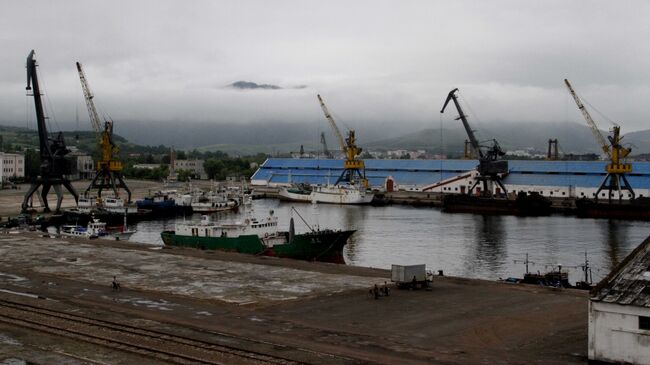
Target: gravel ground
point(306, 310)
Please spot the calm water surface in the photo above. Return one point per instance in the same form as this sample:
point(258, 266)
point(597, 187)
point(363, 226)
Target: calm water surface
point(460, 244)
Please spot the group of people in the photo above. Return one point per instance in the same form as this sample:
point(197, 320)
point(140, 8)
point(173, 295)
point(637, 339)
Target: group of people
point(378, 292)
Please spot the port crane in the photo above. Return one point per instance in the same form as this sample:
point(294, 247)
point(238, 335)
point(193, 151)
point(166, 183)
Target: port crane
point(353, 167)
point(54, 166)
point(490, 168)
point(612, 147)
point(323, 142)
point(108, 170)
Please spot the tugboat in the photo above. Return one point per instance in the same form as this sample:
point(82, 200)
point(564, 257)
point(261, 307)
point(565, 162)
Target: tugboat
point(260, 237)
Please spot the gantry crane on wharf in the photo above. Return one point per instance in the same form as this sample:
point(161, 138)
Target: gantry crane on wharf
point(615, 179)
point(490, 171)
point(353, 167)
point(54, 166)
point(490, 168)
point(616, 153)
point(108, 170)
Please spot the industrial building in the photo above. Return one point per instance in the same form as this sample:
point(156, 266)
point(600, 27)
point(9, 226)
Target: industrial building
point(619, 312)
point(549, 178)
point(195, 166)
point(12, 166)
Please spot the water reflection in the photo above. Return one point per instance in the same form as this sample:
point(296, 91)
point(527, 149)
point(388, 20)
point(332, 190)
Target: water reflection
point(614, 237)
point(490, 238)
point(460, 244)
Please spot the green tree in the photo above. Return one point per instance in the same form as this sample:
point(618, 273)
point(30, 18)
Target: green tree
point(215, 169)
point(184, 175)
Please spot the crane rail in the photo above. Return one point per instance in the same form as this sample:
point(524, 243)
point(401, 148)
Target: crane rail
point(147, 342)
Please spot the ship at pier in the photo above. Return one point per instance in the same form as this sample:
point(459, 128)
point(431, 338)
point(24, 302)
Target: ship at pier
point(261, 237)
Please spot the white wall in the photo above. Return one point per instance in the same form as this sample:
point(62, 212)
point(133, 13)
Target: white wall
point(548, 191)
point(12, 165)
point(614, 334)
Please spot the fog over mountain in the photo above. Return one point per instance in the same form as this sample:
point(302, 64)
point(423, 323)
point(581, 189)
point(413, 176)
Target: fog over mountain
point(281, 137)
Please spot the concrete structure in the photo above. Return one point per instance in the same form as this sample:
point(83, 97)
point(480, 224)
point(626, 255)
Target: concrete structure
point(12, 166)
point(619, 312)
point(549, 178)
point(196, 166)
point(85, 167)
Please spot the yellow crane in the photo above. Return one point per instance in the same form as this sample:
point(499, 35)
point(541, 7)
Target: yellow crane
point(353, 167)
point(615, 151)
point(108, 169)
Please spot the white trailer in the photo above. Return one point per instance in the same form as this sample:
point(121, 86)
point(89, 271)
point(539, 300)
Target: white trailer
point(409, 275)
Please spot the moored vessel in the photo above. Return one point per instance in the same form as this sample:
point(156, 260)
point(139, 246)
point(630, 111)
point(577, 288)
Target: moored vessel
point(341, 194)
point(260, 237)
point(635, 209)
point(297, 193)
point(525, 204)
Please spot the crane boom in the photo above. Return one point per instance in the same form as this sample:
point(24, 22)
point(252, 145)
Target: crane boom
point(490, 168)
point(594, 128)
point(470, 133)
point(326, 151)
point(88, 95)
point(336, 130)
point(616, 169)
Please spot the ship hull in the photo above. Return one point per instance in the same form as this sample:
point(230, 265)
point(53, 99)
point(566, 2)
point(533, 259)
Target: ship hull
point(325, 246)
point(340, 195)
point(288, 195)
point(633, 210)
point(522, 206)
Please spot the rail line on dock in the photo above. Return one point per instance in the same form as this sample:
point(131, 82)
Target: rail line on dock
point(146, 342)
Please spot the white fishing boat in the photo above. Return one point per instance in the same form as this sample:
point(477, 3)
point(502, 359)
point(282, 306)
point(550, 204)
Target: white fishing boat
point(341, 194)
point(295, 194)
point(96, 229)
point(213, 206)
point(70, 230)
point(331, 194)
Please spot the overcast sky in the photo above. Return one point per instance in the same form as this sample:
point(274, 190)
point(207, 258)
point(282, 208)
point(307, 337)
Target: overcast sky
point(372, 61)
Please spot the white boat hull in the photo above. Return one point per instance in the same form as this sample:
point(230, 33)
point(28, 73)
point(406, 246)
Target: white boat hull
point(340, 195)
point(284, 194)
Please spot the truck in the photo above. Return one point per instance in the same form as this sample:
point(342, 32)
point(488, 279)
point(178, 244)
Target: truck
point(403, 276)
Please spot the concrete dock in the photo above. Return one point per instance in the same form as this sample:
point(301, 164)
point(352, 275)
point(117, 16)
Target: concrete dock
point(300, 312)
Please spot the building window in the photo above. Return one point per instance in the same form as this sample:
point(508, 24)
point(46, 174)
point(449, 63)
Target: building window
point(644, 323)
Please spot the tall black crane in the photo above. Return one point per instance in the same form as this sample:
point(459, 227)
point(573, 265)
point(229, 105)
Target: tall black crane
point(489, 168)
point(54, 165)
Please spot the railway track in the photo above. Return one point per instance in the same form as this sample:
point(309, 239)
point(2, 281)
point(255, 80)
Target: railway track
point(146, 342)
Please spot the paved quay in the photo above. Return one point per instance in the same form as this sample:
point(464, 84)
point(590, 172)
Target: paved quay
point(309, 312)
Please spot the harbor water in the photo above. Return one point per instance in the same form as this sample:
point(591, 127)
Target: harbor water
point(467, 245)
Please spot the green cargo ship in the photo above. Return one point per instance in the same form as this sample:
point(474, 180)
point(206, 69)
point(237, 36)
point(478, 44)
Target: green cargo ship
point(260, 238)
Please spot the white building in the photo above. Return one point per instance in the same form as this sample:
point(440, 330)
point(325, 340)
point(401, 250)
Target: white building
point(12, 166)
point(619, 312)
point(196, 166)
point(83, 166)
